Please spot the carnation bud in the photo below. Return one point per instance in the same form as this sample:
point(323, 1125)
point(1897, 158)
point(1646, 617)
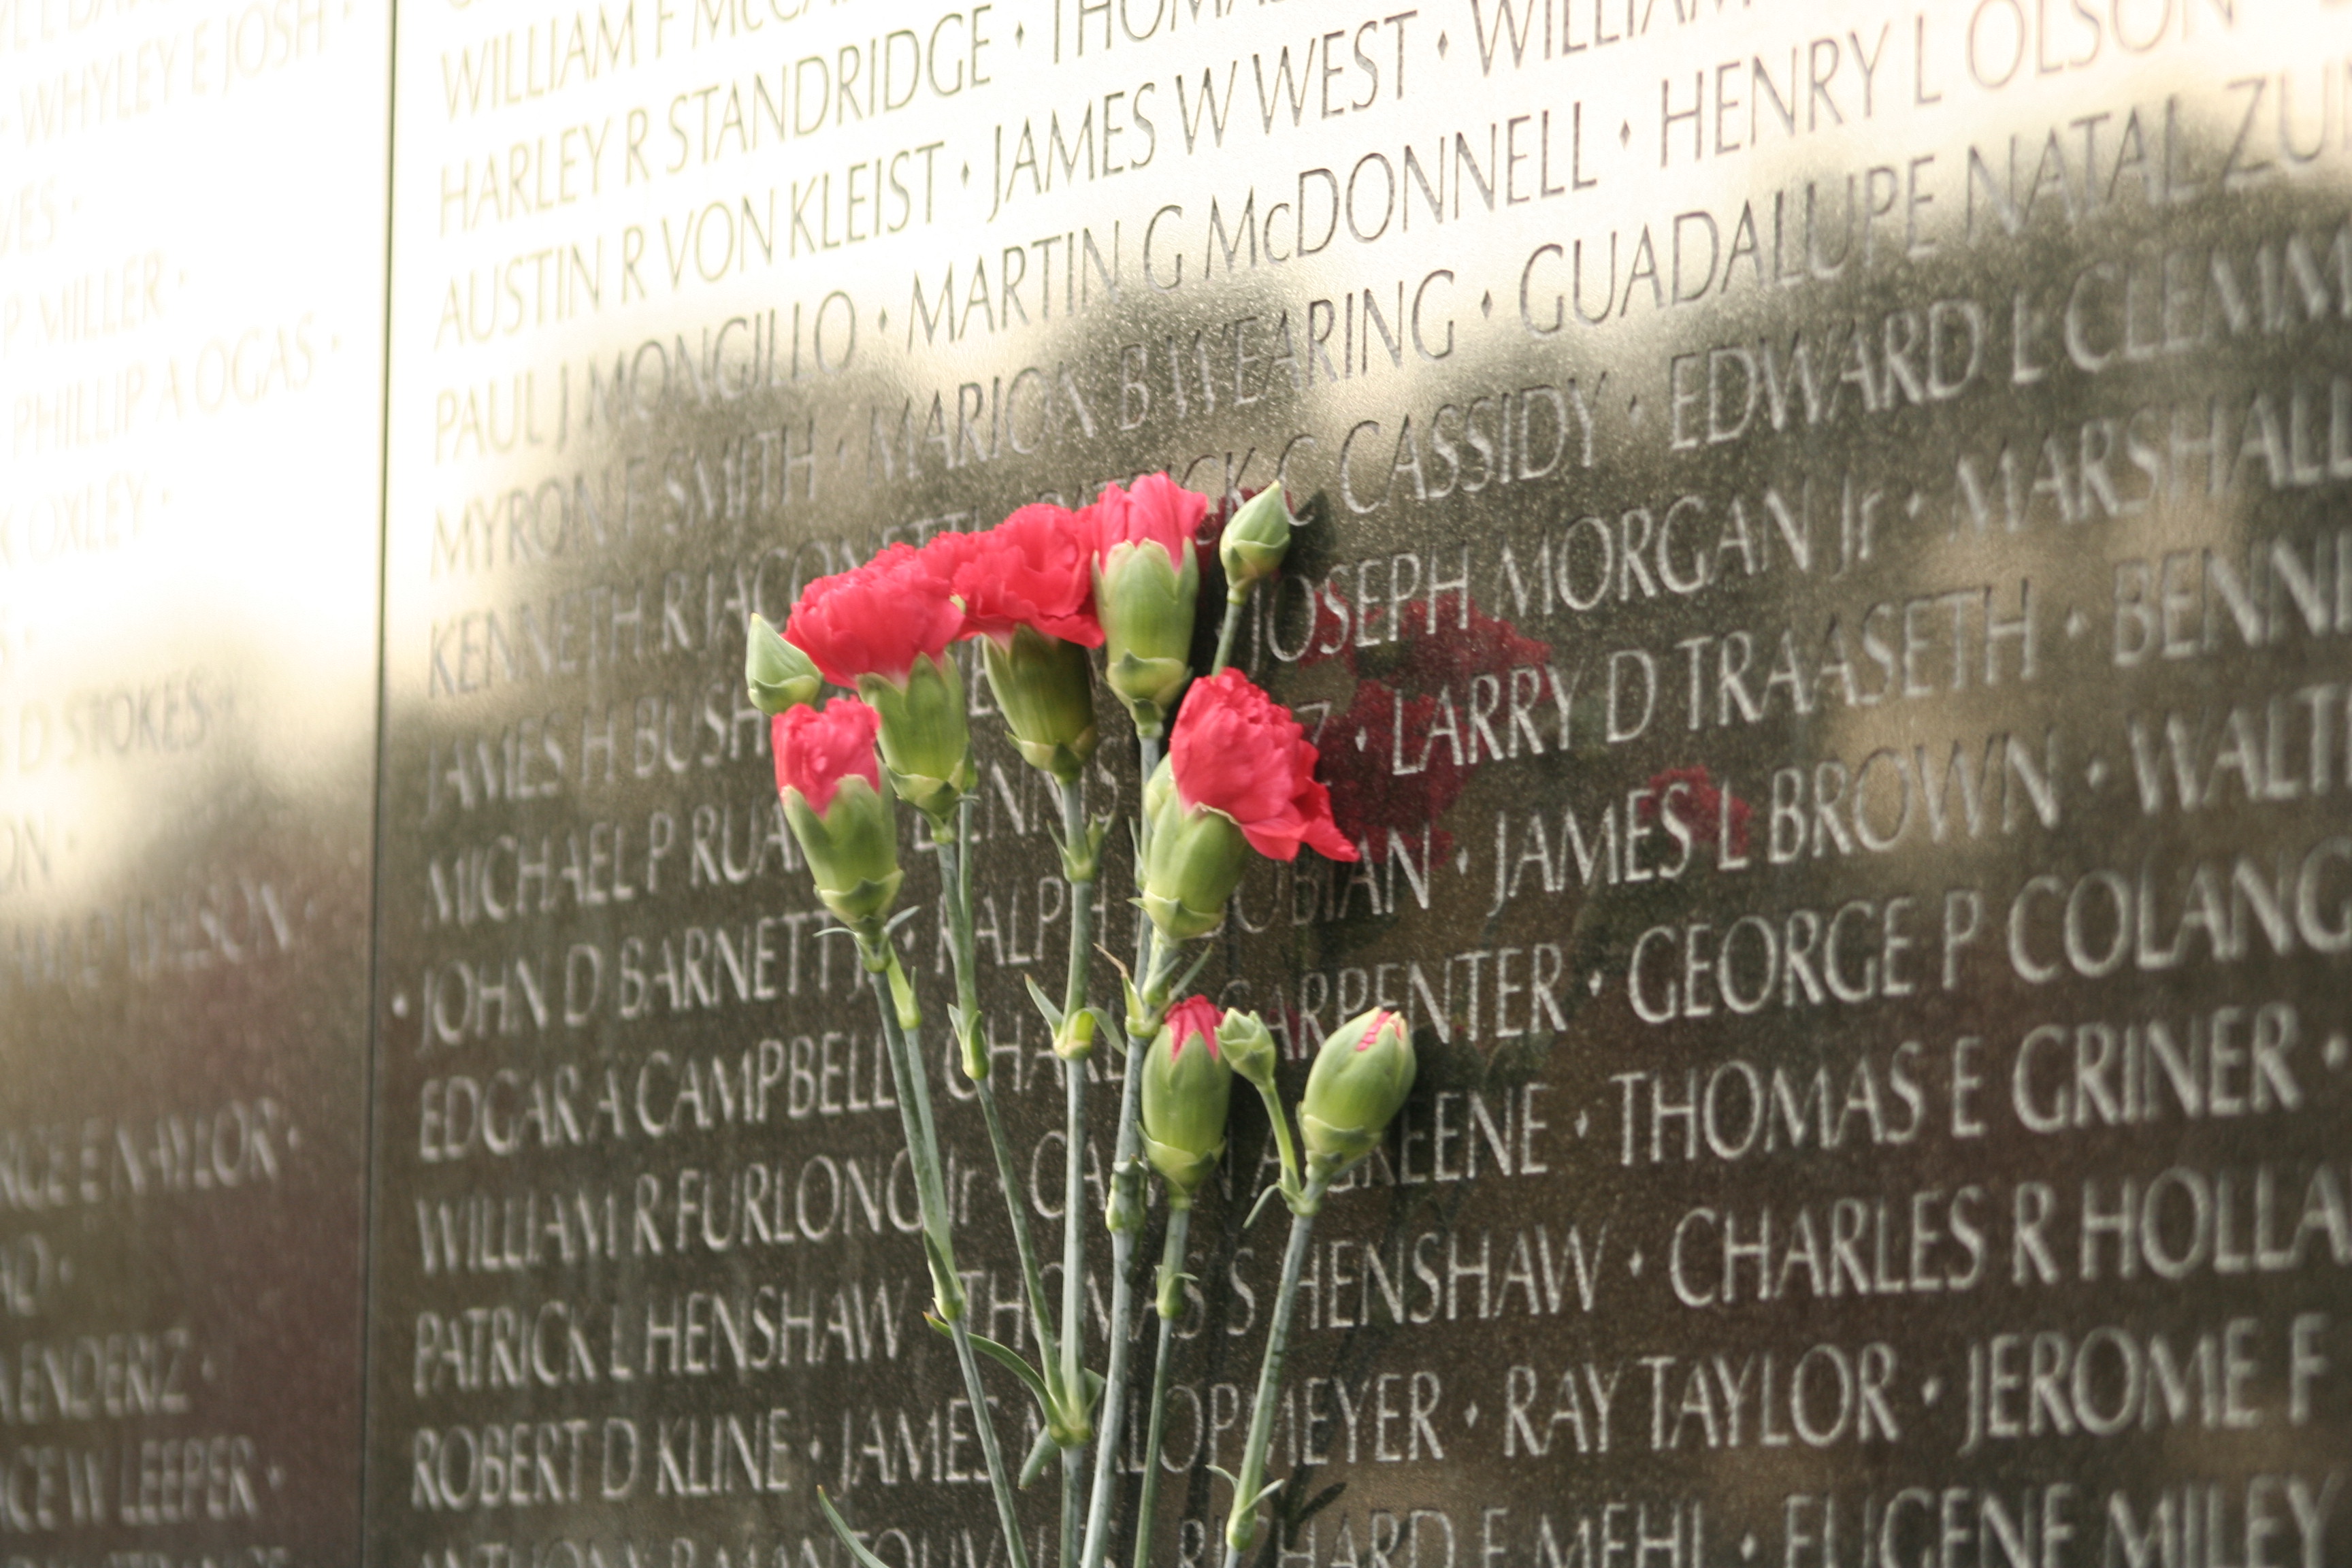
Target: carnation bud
point(834, 802)
point(1146, 603)
point(926, 738)
point(1249, 1047)
point(1192, 862)
point(1254, 541)
point(1045, 691)
point(777, 675)
point(1358, 1084)
point(1186, 1088)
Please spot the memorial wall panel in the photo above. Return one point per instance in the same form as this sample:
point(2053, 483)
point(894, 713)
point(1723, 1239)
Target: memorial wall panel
point(1824, 598)
point(1923, 432)
point(192, 272)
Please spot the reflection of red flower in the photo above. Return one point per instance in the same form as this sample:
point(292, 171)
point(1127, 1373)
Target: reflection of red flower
point(1410, 654)
point(1034, 569)
point(1194, 1015)
point(1237, 751)
point(1368, 798)
point(1156, 511)
point(1454, 652)
point(1699, 803)
point(815, 749)
point(875, 619)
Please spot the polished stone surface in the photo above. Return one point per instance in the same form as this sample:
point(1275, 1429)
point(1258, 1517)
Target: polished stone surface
point(1929, 424)
point(1824, 603)
point(192, 273)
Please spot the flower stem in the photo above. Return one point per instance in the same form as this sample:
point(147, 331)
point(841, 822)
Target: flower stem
point(1074, 1167)
point(1032, 1278)
point(1125, 1221)
point(1235, 608)
point(955, 874)
point(1073, 1501)
point(1171, 1307)
point(1073, 1181)
point(1073, 1230)
point(1241, 1524)
point(915, 1121)
point(1291, 1182)
point(1016, 1549)
point(1082, 903)
point(953, 840)
point(1148, 750)
point(899, 1026)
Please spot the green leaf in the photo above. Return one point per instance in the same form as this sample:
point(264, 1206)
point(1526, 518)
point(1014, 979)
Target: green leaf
point(1045, 1006)
point(1010, 1359)
point(1259, 1208)
point(1186, 983)
point(1039, 1453)
point(1006, 1357)
point(866, 1558)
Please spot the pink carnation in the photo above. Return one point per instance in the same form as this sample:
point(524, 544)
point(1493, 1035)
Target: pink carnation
point(1034, 569)
point(816, 749)
point(1237, 751)
point(1157, 511)
point(875, 619)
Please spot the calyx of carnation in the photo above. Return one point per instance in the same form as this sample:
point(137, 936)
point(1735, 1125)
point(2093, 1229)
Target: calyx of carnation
point(926, 735)
point(1044, 687)
point(830, 788)
point(1146, 578)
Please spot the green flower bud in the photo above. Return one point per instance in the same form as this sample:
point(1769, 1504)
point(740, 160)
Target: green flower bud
point(1249, 1047)
point(1358, 1084)
point(778, 675)
point(1192, 863)
point(1185, 1090)
point(1146, 605)
point(852, 851)
point(1045, 689)
point(1254, 541)
point(926, 738)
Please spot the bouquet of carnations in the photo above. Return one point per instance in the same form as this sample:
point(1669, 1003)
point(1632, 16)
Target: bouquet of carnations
point(1039, 593)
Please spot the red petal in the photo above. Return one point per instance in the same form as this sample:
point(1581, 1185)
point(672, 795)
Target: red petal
point(816, 749)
